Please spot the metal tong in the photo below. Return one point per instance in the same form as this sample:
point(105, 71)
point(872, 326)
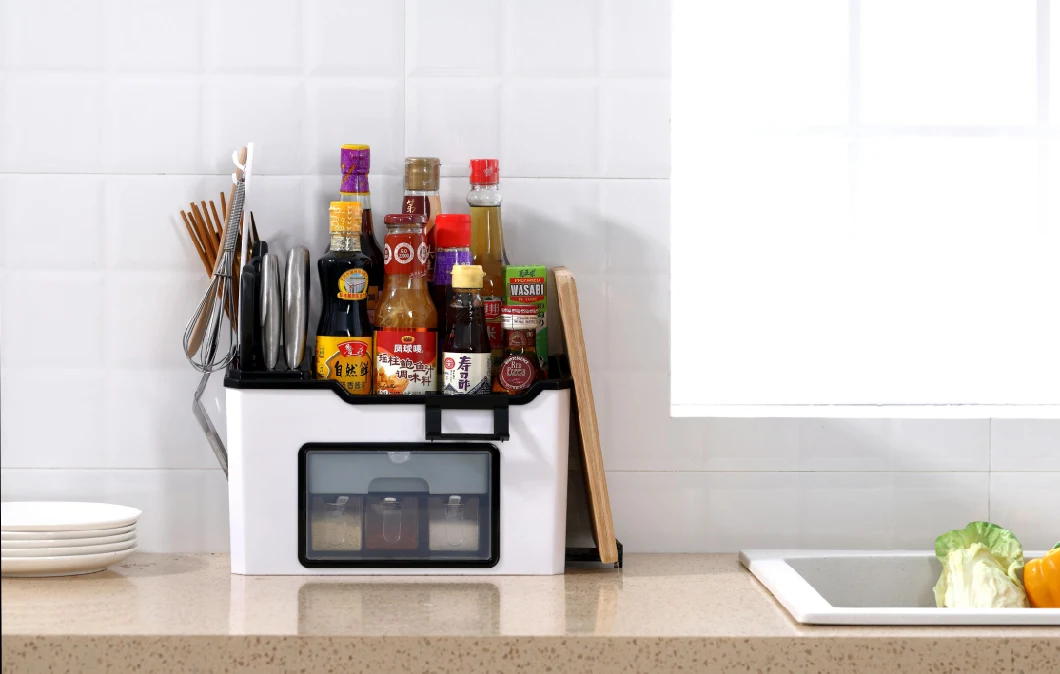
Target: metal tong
point(203, 332)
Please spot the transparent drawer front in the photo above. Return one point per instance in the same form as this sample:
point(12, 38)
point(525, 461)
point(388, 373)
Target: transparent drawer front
point(399, 505)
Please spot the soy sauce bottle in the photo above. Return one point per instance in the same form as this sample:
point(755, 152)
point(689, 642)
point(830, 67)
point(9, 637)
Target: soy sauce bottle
point(466, 355)
point(343, 349)
point(355, 162)
point(452, 239)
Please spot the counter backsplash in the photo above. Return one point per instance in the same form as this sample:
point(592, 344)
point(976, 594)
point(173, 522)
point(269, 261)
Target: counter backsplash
point(102, 140)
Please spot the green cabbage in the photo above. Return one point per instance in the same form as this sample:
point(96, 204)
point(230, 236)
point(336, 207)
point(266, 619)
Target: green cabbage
point(982, 567)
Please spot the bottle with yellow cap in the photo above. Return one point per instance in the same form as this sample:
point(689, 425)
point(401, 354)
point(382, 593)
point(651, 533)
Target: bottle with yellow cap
point(466, 354)
point(343, 350)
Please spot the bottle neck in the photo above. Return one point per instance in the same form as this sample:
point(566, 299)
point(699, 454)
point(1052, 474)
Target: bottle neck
point(484, 195)
point(466, 308)
point(365, 200)
point(355, 184)
point(345, 242)
point(521, 342)
point(400, 282)
point(467, 295)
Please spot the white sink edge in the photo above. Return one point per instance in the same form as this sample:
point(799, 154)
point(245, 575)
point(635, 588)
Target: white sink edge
point(807, 606)
point(767, 553)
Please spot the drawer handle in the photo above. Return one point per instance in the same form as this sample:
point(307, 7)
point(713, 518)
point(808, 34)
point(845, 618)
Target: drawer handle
point(433, 416)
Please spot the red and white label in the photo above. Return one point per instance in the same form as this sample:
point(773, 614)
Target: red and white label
point(466, 374)
point(403, 253)
point(400, 254)
point(492, 307)
point(406, 361)
point(352, 348)
point(517, 373)
point(520, 318)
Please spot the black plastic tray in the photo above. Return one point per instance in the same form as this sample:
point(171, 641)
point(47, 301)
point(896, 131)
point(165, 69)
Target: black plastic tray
point(295, 380)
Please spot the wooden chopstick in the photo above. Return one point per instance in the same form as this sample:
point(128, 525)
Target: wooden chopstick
point(224, 207)
point(204, 232)
point(220, 224)
point(214, 229)
point(198, 245)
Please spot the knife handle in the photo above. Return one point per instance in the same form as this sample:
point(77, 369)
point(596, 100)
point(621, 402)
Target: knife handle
point(250, 353)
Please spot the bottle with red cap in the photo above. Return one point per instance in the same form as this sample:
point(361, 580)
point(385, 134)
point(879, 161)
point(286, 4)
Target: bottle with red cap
point(487, 245)
point(452, 240)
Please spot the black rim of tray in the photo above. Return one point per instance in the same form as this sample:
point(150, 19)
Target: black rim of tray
point(301, 380)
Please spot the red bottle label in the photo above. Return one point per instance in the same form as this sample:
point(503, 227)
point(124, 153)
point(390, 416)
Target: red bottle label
point(492, 307)
point(404, 254)
point(429, 207)
point(517, 373)
point(406, 361)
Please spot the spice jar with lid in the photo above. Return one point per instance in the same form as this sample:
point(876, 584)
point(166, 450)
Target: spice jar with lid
point(519, 369)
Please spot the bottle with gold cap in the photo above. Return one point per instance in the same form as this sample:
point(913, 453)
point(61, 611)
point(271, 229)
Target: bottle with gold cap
point(422, 197)
point(343, 349)
point(466, 354)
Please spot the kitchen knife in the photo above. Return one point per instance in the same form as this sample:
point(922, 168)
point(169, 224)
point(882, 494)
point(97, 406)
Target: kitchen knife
point(296, 306)
point(271, 309)
point(251, 357)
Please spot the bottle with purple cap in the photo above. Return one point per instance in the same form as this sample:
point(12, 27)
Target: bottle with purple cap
point(355, 161)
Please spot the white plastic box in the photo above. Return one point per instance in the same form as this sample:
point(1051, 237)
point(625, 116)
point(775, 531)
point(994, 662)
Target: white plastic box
point(467, 485)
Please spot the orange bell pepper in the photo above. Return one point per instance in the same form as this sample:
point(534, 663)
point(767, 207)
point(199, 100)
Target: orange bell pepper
point(1041, 579)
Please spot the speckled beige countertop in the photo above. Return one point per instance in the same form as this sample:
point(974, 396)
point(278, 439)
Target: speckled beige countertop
point(168, 613)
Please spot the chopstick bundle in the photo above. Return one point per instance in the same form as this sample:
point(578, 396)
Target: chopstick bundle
point(205, 234)
point(206, 230)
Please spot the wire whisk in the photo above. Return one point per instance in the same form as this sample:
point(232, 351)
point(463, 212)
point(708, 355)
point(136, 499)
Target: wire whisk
point(203, 334)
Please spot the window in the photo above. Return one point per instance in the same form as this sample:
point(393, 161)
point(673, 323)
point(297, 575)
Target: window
point(866, 208)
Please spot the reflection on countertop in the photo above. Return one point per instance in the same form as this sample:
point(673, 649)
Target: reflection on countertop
point(655, 595)
point(170, 613)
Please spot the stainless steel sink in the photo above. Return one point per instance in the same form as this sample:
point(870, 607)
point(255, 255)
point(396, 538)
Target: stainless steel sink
point(855, 587)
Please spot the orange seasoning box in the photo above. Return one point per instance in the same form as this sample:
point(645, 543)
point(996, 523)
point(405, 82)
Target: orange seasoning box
point(406, 340)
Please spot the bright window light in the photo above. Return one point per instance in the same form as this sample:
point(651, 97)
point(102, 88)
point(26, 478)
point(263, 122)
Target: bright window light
point(865, 216)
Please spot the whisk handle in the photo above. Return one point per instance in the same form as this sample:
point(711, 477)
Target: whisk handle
point(198, 331)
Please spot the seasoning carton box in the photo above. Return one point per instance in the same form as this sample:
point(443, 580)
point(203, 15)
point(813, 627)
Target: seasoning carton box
point(524, 287)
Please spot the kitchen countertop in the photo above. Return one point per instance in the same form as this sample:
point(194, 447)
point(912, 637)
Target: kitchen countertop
point(170, 613)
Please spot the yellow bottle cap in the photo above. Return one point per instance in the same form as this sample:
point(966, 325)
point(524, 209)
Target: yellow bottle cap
point(467, 276)
point(355, 147)
point(344, 217)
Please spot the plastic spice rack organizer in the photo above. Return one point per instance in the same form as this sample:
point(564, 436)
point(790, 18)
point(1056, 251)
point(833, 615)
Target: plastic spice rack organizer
point(322, 482)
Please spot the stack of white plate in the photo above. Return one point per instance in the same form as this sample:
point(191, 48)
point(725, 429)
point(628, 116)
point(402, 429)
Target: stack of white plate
point(50, 538)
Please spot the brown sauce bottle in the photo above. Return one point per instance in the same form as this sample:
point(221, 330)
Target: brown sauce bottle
point(466, 355)
point(355, 161)
point(343, 349)
point(519, 369)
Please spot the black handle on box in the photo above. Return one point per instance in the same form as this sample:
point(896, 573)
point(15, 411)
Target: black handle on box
point(434, 405)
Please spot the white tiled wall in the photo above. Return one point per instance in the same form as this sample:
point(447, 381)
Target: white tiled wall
point(114, 114)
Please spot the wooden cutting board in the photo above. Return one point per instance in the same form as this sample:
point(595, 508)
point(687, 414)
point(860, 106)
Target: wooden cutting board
point(592, 459)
